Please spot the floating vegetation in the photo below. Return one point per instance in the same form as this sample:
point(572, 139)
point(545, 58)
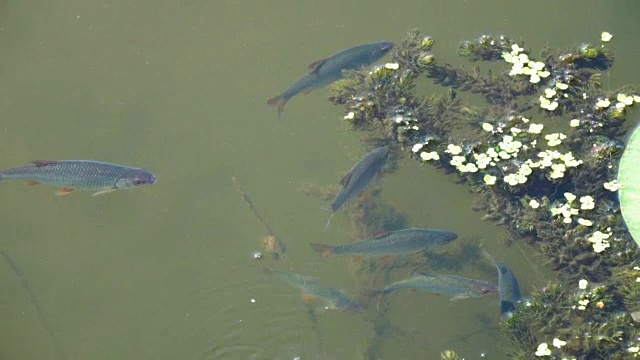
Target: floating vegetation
point(542, 154)
point(271, 244)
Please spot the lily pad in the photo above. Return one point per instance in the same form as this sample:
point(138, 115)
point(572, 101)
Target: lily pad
point(629, 180)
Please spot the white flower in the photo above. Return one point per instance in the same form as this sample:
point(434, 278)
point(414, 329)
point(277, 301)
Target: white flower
point(625, 99)
point(544, 74)
point(612, 185)
point(549, 93)
point(457, 160)
point(487, 127)
point(429, 156)
point(350, 115)
point(392, 66)
point(584, 222)
point(543, 350)
point(559, 343)
point(534, 203)
point(517, 49)
point(525, 169)
point(570, 197)
point(582, 284)
point(514, 130)
point(606, 36)
point(583, 304)
point(562, 86)
point(636, 98)
point(634, 349)
point(453, 149)
point(536, 65)
point(587, 203)
point(417, 147)
point(534, 79)
point(599, 241)
point(574, 123)
point(511, 180)
point(555, 139)
point(469, 167)
point(535, 128)
point(489, 179)
point(603, 103)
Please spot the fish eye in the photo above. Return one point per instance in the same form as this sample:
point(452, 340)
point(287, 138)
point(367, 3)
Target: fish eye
point(484, 291)
point(138, 182)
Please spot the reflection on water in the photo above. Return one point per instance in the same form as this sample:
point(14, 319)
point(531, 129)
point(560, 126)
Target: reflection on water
point(180, 88)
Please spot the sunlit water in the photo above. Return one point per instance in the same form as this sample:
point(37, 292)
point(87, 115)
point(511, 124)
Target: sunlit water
point(179, 88)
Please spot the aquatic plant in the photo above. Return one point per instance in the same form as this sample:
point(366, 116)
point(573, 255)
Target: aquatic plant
point(554, 189)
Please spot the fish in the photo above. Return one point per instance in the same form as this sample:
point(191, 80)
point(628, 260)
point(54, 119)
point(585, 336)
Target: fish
point(357, 179)
point(327, 70)
point(508, 288)
point(399, 242)
point(457, 287)
point(88, 175)
point(312, 290)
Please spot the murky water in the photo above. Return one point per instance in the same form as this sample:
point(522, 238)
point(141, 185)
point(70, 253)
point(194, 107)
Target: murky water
point(179, 88)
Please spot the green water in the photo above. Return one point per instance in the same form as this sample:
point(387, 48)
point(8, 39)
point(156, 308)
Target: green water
point(179, 88)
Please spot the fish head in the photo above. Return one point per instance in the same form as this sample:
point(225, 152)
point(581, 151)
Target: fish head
point(383, 48)
point(486, 288)
point(135, 177)
point(447, 237)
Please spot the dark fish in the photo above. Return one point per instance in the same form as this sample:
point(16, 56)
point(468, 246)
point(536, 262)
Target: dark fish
point(508, 286)
point(406, 241)
point(71, 175)
point(358, 178)
point(311, 290)
point(328, 70)
point(457, 287)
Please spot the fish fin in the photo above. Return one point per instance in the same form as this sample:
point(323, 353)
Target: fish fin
point(385, 259)
point(323, 249)
point(316, 65)
point(458, 297)
point(306, 92)
point(65, 191)
point(40, 163)
point(278, 101)
point(326, 227)
point(32, 182)
point(345, 180)
point(380, 234)
point(308, 298)
point(102, 192)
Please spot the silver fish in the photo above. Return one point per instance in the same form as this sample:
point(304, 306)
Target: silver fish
point(358, 178)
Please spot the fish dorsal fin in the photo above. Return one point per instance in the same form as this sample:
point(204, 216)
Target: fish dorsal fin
point(40, 163)
point(419, 273)
point(316, 65)
point(380, 234)
point(345, 180)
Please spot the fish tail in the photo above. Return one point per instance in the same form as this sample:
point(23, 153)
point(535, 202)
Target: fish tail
point(488, 257)
point(279, 101)
point(323, 249)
